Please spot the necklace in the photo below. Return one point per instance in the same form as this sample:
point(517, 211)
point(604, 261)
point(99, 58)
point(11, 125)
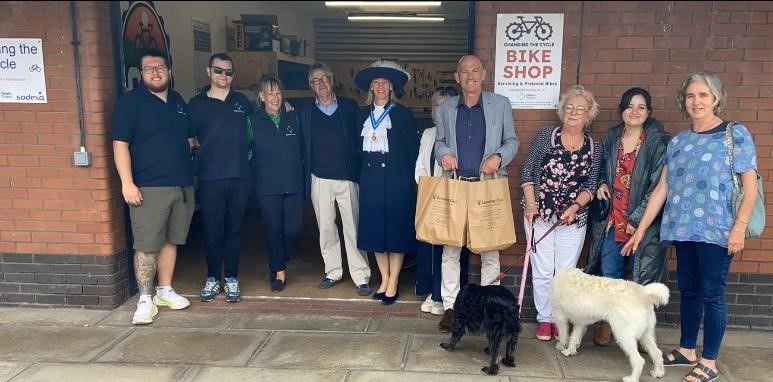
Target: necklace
point(375, 122)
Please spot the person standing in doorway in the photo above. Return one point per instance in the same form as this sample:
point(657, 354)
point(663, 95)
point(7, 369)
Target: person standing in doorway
point(219, 121)
point(388, 199)
point(475, 135)
point(429, 256)
point(332, 143)
point(278, 151)
point(151, 146)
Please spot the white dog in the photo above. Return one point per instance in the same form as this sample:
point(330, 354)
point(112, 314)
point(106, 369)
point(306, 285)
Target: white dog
point(627, 307)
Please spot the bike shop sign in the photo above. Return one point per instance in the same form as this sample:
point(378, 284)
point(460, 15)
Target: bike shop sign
point(22, 79)
point(528, 59)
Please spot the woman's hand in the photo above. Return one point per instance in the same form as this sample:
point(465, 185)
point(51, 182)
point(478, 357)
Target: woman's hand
point(603, 192)
point(735, 241)
point(570, 214)
point(633, 243)
point(530, 212)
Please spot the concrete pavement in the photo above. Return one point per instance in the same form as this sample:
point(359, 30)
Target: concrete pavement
point(90, 345)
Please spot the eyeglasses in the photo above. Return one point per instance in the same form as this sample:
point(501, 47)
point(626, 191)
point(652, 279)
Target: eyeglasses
point(219, 70)
point(320, 80)
point(579, 110)
point(151, 69)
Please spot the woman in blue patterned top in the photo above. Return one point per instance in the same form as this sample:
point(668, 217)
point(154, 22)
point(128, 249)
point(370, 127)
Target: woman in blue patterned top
point(698, 218)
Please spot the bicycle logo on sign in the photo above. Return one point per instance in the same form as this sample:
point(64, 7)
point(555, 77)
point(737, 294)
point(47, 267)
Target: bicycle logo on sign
point(542, 30)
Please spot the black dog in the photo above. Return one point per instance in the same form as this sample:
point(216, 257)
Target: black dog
point(491, 309)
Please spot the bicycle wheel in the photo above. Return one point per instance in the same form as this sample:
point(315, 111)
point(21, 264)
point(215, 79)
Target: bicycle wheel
point(544, 31)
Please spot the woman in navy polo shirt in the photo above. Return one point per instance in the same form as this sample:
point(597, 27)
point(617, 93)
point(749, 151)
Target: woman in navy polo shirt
point(278, 157)
point(390, 144)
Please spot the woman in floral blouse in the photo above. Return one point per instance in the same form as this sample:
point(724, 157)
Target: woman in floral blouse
point(559, 179)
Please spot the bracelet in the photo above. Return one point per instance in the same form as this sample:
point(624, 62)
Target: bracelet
point(578, 205)
point(742, 221)
point(531, 204)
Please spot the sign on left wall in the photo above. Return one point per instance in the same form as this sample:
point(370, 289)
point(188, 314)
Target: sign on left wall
point(22, 73)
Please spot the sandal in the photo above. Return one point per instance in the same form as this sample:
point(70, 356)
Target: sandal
point(679, 359)
point(707, 376)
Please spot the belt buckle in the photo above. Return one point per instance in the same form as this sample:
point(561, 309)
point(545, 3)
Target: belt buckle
point(469, 178)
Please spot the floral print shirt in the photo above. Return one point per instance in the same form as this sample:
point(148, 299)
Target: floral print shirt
point(559, 175)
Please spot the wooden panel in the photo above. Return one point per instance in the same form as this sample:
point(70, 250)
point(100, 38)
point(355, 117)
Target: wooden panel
point(425, 77)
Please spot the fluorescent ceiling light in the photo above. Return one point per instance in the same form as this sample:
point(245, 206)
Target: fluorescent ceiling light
point(401, 4)
point(396, 18)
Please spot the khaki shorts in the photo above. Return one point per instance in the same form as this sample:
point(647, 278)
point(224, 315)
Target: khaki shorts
point(163, 217)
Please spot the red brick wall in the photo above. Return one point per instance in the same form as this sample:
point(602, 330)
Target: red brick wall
point(655, 45)
point(47, 205)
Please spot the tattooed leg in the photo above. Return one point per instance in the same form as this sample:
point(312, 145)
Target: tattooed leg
point(145, 271)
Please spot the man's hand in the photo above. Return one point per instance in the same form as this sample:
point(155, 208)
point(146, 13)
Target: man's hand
point(131, 194)
point(491, 164)
point(448, 162)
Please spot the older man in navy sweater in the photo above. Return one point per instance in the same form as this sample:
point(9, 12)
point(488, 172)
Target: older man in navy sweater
point(332, 144)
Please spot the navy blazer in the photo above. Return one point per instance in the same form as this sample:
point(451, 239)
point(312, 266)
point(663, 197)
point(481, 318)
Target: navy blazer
point(348, 110)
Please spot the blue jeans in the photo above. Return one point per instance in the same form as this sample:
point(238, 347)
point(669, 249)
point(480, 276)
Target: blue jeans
point(702, 278)
point(612, 262)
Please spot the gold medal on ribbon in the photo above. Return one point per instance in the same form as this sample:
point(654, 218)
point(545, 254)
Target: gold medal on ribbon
point(373, 137)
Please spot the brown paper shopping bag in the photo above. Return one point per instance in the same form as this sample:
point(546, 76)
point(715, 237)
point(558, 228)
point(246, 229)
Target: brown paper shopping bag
point(441, 211)
point(490, 225)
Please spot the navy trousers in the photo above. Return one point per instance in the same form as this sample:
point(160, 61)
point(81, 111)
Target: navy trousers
point(702, 279)
point(223, 202)
point(283, 218)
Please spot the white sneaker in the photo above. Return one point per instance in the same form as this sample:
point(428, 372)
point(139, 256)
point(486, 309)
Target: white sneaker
point(426, 306)
point(169, 298)
point(437, 309)
point(146, 311)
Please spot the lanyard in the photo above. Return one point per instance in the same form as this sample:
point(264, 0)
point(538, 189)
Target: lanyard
point(376, 122)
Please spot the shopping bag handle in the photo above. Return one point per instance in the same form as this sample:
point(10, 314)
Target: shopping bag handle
point(482, 176)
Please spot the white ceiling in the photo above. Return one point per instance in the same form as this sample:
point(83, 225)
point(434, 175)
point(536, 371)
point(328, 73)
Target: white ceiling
point(453, 10)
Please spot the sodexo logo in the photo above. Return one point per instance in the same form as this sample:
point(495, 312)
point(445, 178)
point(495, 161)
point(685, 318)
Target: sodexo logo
point(31, 97)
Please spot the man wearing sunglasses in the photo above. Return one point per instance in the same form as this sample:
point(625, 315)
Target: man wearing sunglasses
point(219, 123)
point(150, 132)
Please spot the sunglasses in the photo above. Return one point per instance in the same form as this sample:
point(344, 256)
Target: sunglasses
point(219, 70)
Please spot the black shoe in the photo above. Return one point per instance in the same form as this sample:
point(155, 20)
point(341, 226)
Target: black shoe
point(363, 290)
point(390, 300)
point(327, 283)
point(277, 285)
point(379, 295)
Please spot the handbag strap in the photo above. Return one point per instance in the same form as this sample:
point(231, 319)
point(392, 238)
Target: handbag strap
point(729, 141)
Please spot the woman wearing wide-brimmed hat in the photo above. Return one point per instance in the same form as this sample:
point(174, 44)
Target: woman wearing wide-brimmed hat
point(387, 190)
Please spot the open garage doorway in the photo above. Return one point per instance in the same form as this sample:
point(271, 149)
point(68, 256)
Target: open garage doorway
point(285, 38)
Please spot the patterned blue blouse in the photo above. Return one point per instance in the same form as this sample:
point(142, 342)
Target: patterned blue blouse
point(700, 188)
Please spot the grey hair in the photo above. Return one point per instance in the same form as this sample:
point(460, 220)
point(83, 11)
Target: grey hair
point(715, 87)
point(574, 91)
point(323, 67)
point(443, 93)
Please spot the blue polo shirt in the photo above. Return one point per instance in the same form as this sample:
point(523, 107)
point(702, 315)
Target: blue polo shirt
point(470, 138)
point(157, 133)
point(221, 129)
